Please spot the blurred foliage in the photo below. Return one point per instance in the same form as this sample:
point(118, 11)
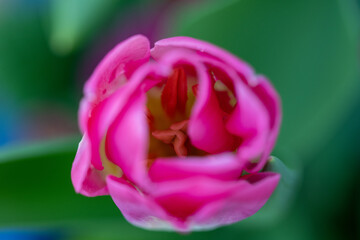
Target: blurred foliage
point(28, 69)
point(308, 49)
point(73, 21)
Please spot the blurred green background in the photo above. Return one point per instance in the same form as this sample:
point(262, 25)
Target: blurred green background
point(309, 49)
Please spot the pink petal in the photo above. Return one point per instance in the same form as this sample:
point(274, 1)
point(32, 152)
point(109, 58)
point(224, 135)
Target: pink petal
point(244, 200)
point(106, 112)
point(206, 126)
point(250, 121)
point(86, 179)
point(271, 100)
point(222, 167)
point(258, 109)
point(202, 202)
point(182, 199)
point(137, 208)
point(127, 139)
point(205, 49)
point(112, 72)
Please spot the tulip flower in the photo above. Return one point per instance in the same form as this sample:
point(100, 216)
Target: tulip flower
point(177, 135)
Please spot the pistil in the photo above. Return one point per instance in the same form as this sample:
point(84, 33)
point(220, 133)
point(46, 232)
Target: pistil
point(176, 136)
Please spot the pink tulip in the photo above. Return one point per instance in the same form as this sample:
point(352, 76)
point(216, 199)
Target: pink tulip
point(169, 132)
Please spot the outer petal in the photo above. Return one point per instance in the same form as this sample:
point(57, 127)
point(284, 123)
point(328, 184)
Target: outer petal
point(244, 200)
point(107, 111)
point(204, 49)
point(86, 179)
point(202, 202)
point(117, 66)
point(138, 208)
point(271, 100)
point(222, 166)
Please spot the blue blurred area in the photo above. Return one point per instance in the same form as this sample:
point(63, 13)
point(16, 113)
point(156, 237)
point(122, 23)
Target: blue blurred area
point(10, 123)
point(29, 235)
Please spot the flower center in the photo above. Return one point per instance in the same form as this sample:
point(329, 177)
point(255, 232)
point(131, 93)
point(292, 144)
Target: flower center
point(169, 107)
point(168, 111)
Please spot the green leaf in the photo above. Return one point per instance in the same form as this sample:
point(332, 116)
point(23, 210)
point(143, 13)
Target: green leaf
point(36, 188)
point(29, 150)
point(308, 49)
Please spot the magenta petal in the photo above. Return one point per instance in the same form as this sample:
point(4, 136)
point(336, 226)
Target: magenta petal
point(107, 111)
point(113, 71)
point(127, 139)
point(205, 49)
point(250, 121)
point(206, 126)
point(202, 202)
point(136, 207)
point(224, 166)
point(86, 179)
point(245, 199)
point(271, 100)
point(183, 198)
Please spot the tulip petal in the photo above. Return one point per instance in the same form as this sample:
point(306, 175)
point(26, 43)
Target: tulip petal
point(244, 201)
point(112, 72)
point(271, 100)
point(250, 121)
point(223, 166)
point(202, 202)
point(136, 207)
point(127, 139)
point(86, 179)
point(106, 112)
point(259, 107)
point(204, 49)
point(206, 125)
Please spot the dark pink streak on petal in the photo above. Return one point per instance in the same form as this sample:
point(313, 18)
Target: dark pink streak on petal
point(174, 94)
